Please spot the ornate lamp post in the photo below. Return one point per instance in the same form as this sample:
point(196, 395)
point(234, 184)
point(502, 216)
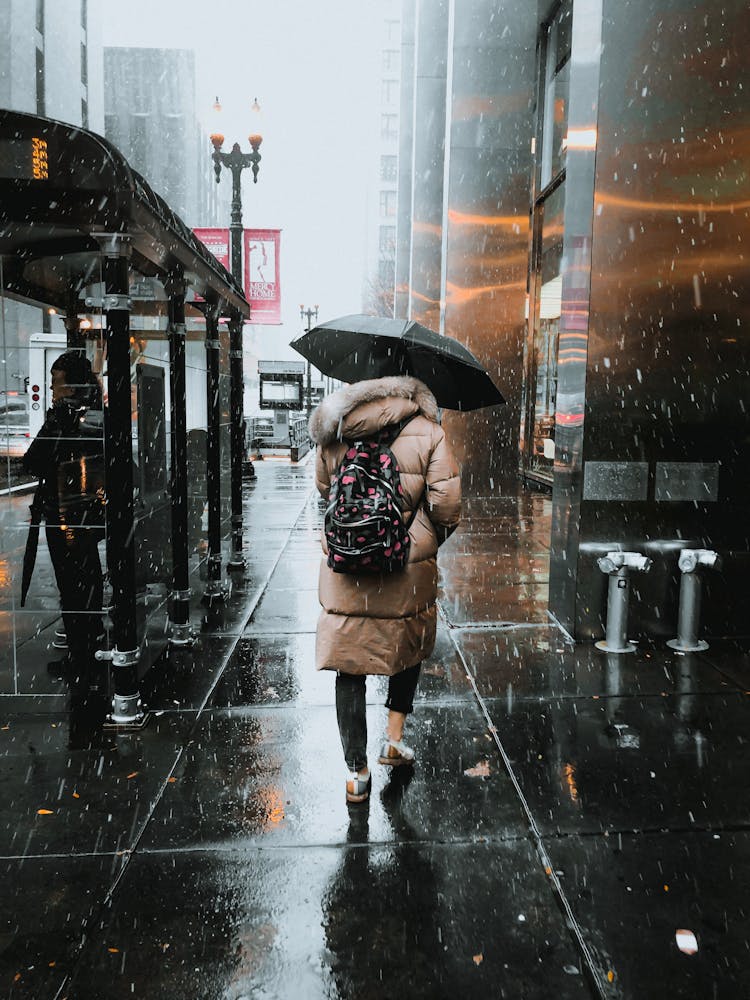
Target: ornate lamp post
point(310, 315)
point(237, 161)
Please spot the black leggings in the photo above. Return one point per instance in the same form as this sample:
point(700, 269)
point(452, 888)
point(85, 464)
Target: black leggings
point(350, 709)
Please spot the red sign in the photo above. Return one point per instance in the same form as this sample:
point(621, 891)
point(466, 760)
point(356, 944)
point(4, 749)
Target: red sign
point(217, 241)
point(262, 282)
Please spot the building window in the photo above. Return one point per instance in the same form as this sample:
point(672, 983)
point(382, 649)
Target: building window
point(387, 239)
point(388, 168)
point(387, 271)
point(389, 91)
point(84, 65)
point(40, 102)
point(554, 122)
point(389, 127)
point(393, 30)
point(388, 203)
point(391, 59)
point(40, 16)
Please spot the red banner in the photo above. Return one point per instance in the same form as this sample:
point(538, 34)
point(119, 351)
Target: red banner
point(217, 241)
point(262, 281)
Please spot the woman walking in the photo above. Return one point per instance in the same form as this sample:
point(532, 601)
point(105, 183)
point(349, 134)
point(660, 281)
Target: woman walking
point(384, 623)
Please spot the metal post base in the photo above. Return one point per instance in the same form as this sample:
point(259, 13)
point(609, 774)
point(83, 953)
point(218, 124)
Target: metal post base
point(180, 635)
point(216, 592)
point(237, 564)
point(629, 647)
point(675, 644)
point(127, 710)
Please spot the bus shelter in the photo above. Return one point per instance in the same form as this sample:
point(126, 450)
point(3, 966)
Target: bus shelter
point(160, 319)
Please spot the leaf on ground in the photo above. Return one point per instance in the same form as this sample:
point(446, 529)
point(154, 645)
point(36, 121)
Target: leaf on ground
point(132, 775)
point(480, 770)
point(478, 959)
point(45, 812)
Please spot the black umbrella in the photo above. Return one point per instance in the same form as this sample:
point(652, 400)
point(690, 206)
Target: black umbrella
point(358, 347)
point(32, 542)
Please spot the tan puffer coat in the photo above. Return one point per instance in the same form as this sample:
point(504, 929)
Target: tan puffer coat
point(383, 624)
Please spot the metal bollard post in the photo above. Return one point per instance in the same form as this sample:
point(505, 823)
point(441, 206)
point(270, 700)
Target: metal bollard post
point(617, 565)
point(688, 616)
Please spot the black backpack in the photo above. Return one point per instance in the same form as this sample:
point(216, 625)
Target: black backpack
point(364, 524)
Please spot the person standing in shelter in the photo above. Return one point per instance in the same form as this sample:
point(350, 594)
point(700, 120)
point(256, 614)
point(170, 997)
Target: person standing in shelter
point(67, 456)
point(384, 623)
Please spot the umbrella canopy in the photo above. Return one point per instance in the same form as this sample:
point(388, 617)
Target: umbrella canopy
point(359, 347)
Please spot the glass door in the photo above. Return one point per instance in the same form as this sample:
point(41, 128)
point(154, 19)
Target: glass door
point(548, 216)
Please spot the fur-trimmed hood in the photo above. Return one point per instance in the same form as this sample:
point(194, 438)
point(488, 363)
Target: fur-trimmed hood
point(326, 421)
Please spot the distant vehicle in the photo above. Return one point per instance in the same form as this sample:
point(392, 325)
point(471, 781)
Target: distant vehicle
point(44, 349)
point(14, 424)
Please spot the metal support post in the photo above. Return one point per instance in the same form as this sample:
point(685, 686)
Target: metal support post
point(179, 619)
point(236, 389)
point(214, 591)
point(618, 565)
point(126, 704)
point(688, 616)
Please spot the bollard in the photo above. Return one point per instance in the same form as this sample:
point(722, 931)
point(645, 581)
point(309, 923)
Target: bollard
point(688, 615)
point(617, 566)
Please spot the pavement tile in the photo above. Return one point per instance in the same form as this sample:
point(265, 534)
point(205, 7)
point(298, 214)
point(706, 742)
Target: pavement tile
point(625, 763)
point(631, 894)
point(70, 787)
point(365, 922)
point(542, 663)
point(272, 669)
point(49, 905)
point(276, 777)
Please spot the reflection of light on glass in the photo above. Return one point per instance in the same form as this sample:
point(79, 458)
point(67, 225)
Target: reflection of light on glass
point(669, 206)
point(580, 138)
point(84, 475)
point(457, 295)
point(515, 222)
point(551, 299)
point(570, 780)
point(5, 574)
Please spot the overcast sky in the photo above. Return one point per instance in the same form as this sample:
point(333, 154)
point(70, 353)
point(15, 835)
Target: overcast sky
point(314, 70)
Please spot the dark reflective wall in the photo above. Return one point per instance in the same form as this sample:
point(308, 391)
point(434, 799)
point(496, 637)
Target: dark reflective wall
point(666, 379)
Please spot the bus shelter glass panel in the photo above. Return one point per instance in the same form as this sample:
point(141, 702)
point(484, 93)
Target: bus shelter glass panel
point(149, 368)
point(225, 432)
point(197, 440)
point(52, 514)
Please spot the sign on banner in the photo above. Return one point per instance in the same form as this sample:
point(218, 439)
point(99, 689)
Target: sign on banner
point(262, 281)
point(217, 241)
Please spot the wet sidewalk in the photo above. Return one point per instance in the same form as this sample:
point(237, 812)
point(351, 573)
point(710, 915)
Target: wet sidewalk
point(569, 813)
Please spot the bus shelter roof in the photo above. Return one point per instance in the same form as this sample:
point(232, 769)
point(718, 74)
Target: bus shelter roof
point(63, 190)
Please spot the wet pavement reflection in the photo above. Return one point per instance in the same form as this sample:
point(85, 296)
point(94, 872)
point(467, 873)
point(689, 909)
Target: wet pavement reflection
point(569, 812)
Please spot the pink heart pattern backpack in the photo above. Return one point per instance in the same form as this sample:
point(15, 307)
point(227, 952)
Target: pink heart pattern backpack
point(364, 523)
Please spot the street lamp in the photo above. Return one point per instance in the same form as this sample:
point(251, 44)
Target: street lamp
point(236, 161)
point(310, 315)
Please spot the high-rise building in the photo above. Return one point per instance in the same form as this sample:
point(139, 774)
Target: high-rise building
point(150, 115)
